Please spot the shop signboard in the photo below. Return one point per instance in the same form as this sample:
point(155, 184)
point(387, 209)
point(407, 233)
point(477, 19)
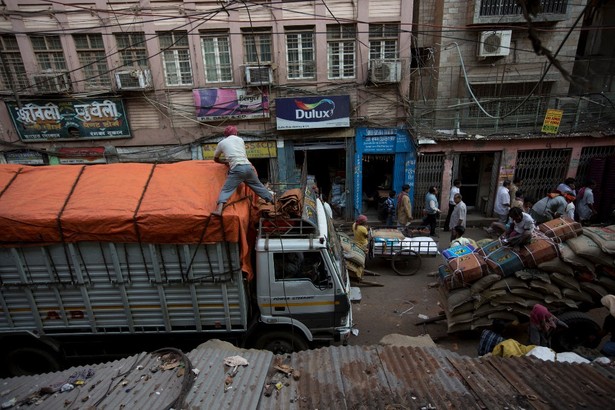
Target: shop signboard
point(69, 120)
point(214, 104)
point(24, 157)
point(312, 112)
point(254, 149)
point(86, 155)
point(552, 120)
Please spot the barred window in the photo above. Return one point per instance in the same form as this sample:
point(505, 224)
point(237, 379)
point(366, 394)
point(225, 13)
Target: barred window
point(175, 57)
point(217, 57)
point(341, 40)
point(48, 53)
point(132, 49)
point(300, 54)
point(12, 71)
point(93, 60)
point(383, 40)
point(257, 47)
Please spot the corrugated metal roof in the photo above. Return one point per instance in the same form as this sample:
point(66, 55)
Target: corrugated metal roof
point(351, 377)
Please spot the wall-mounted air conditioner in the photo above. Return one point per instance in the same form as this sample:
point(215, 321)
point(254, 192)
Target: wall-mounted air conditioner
point(258, 75)
point(138, 79)
point(51, 82)
point(385, 71)
point(494, 43)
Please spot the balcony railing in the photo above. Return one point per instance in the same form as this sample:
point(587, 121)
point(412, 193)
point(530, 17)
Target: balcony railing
point(511, 8)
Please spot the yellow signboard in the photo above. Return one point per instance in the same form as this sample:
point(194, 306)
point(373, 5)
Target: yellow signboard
point(254, 149)
point(552, 121)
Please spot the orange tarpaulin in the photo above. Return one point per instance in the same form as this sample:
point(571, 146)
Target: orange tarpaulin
point(167, 203)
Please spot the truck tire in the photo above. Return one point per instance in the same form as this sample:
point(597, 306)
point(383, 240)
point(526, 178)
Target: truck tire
point(281, 342)
point(30, 360)
point(582, 331)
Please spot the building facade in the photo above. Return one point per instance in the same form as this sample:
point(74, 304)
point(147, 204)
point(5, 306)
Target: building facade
point(376, 93)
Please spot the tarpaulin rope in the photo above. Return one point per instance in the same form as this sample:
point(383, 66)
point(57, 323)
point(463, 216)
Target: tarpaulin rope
point(11, 181)
point(134, 219)
point(59, 220)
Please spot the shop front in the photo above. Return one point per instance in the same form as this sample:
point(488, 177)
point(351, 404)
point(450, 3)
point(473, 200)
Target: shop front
point(384, 160)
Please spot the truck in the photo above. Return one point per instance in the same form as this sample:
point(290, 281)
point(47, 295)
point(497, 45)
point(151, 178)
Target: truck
point(101, 259)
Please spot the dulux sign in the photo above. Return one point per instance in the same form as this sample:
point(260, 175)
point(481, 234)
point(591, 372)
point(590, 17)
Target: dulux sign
point(312, 112)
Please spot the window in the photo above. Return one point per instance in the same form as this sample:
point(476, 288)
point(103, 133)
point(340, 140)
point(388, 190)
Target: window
point(257, 47)
point(300, 54)
point(341, 50)
point(48, 53)
point(299, 266)
point(92, 58)
point(132, 50)
point(12, 70)
point(217, 56)
point(383, 41)
point(176, 57)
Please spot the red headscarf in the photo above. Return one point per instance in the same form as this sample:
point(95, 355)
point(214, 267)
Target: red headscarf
point(230, 130)
point(541, 317)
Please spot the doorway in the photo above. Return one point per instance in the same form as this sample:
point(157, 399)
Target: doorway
point(377, 178)
point(474, 170)
point(323, 165)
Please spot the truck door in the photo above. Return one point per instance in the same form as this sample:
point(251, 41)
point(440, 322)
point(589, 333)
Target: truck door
point(302, 288)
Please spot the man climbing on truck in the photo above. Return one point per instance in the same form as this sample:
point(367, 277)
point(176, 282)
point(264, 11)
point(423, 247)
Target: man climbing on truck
point(240, 168)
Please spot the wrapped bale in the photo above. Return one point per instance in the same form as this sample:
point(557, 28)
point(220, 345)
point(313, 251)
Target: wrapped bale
point(561, 229)
point(604, 237)
point(504, 261)
point(449, 279)
point(457, 251)
point(469, 267)
point(489, 247)
point(539, 250)
point(386, 241)
point(423, 245)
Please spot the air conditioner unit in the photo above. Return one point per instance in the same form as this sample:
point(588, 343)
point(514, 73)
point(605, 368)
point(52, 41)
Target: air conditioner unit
point(138, 79)
point(571, 105)
point(385, 71)
point(258, 75)
point(51, 82)
point(494, 43)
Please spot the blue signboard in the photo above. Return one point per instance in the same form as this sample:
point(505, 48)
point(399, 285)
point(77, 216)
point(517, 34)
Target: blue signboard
point(312, 112)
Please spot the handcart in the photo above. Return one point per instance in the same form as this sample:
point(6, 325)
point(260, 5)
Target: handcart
point(403, 246)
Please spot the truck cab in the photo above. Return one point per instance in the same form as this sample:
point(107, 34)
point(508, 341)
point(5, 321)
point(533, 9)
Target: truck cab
point(303, 289)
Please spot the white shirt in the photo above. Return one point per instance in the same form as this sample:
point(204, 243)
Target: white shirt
point(459, 213)
point(569, 212)
point(451, 195)
point(234, 150)
point(501, 199)
point(527, 224)
point(583, 210)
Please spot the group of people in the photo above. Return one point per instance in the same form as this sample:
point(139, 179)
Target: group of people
point(542, 326)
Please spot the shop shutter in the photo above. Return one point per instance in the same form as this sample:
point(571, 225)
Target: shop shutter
point(141, 114)
point(385, 8)
point(181, 110)
point(429, 171)
point(542, 170)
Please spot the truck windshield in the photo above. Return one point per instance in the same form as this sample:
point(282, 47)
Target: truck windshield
point(335, 250)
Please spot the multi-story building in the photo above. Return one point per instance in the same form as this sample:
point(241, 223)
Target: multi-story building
point(376, 92)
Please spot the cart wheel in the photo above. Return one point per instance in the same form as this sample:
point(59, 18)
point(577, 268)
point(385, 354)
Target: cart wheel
point(406, 262)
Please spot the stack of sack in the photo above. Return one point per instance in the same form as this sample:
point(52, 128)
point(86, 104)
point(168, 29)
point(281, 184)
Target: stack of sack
point(564, 267)
point(354, 256)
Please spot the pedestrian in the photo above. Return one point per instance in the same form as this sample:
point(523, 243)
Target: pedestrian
point(404, 207)
point(459, 215)
point(390, 207)
point(459, 239)
point(432, 210)
point(514, 187)
point(361, 233)
point(519, 231)
point(240, 169)
point(570, 207)
point(569, 185)
point(585, 203)
point(501, 205)
point(451, 203)
point(518, 200)
point(490, 338)
point(551, 206)
point(542, 325)
point(608, 349)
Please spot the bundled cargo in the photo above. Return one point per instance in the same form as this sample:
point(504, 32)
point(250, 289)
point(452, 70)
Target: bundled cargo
point(469, 267)
point(539, 250)
point(561, 229)
point(504, 261)
point(457, 251)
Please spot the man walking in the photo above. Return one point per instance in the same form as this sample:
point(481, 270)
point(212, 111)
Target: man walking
point(458, 216)
point(404, 207)
point(501, 206)
point(432, 209)
point(451, 202)
point(240, 169)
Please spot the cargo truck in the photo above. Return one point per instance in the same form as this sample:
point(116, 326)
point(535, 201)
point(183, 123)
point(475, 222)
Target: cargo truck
point(97, 258)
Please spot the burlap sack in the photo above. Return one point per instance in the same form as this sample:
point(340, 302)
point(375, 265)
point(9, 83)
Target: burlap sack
point(568, 256)
point(585, 247)
point(565, 282)
point(604, 237)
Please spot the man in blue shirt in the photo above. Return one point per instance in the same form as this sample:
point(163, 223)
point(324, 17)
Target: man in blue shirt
point(432, 209)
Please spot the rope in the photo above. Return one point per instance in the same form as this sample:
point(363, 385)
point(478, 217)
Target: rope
point(59, 220)
point(11, 181)
point(134, 219)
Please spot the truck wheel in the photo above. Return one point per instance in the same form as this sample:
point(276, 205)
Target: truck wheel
point(582, 331)
point(280, 342)
point(30, 360)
